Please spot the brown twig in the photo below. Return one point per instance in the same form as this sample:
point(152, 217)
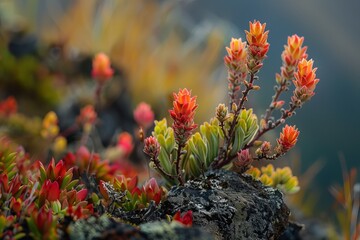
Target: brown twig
point(270, 126)
point(275, 98)
point(267, 157)
point(223, 157)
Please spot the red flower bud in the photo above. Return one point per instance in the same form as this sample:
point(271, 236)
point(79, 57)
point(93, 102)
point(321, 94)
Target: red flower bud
point(186, 219)
point(152, 147)
point(143, 115)
point(125, 142)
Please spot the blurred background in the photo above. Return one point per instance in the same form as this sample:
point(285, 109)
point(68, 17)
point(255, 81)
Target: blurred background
point(156, 47)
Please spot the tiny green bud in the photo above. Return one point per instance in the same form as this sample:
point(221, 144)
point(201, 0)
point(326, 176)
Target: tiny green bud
point(233, 107)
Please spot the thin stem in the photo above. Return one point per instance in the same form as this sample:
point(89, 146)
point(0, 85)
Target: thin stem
point(249, 87)
point(177, 163)
point(285, 115)
point(223, 158)
point(267, 157)
point(223, 131)
point(275, 98)
point(99, 87)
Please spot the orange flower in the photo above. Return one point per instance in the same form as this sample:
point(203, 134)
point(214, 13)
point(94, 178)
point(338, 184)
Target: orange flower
point(305, 80)
point(294, 51)
point(143, 115)
point(288, 138)
point(257, 40)
point(237, 55)
point(291, 56)
point(101, 68)
point(183, 113)
point(87, 115)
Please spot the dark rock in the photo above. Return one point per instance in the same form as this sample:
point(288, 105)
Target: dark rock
point(105, 227)
point(173, 231)
point(292, 232)
point(231, 206)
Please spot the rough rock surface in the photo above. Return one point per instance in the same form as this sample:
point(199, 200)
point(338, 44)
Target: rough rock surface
point(231, 206)
point(106, 227)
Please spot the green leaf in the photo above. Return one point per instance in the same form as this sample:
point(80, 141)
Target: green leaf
point(72, 184)
point(238, 140)
point(165, 162)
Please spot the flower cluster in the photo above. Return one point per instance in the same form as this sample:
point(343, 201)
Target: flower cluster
point(305, 81)
point(280, 178)
point(133, 197)
point(236, 62)
point(183, 113)
point(293, 53)
point(257, 45)
point(232, 138)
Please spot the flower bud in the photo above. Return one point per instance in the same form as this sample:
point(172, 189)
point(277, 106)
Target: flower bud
point(221, 112)
point(288, 138)
point(152, 147)
point(143, 115)
point(101, 68)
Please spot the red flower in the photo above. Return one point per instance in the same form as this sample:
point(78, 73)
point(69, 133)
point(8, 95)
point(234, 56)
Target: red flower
point(152, 190)
point(69, 160)
point(15, 205)
point(257, 40)
point(288, 138)
point(124, 183)
point(186, 219)
point(125, 142)
point(55, 172)
point(152, 147)
point(101, 68)
point(50, 191)
point(143, 115)
point(81, 195)
point(9, 187)
point(8, 106)
point(43, 220)
point(305, 80)
point(183, 113)
point(243, 161)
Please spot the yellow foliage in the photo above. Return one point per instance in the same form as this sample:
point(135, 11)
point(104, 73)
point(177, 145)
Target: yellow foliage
point(148, 41)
